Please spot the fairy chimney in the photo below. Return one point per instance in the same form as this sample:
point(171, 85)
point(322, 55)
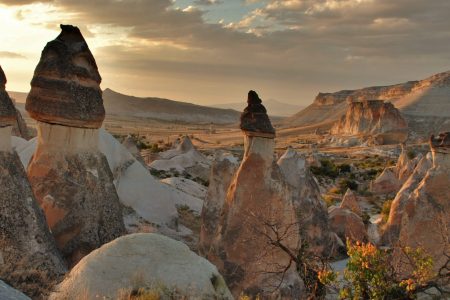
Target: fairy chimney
point(26, 244)
point(69, 175)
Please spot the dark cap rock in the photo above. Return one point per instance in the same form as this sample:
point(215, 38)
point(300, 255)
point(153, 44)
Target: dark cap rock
point(254, 119)
point(7, 109)
point(65, 89)
point(442, 141)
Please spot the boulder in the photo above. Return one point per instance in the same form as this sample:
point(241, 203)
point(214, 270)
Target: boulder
point(386, 183)
point(347, 224)
point(142, 261)
point(223, 169)
point(350, 202)
point(69, 175)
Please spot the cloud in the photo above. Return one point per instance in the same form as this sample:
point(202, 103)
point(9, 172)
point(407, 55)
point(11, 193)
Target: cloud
point(290, 48)
point(207, 2)
point(7, 54)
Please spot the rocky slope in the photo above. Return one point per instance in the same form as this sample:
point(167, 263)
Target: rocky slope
point(121, 105)
point(423, 101)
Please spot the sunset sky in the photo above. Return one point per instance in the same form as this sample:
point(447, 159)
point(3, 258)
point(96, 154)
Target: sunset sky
point(211, 52)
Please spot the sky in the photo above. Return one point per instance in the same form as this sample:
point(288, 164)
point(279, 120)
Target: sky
point(213, 51)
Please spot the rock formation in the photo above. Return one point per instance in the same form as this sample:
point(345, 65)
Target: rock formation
point(310, 209)
point(424, 104)
point(27, 249)
point(425, 214)
point(69, 175)
point(258, 201)
point(149, 262)
point(254, 119)
point(183, 158)
point(379, 119)
point(131, 145)
point(223, 169)
point(392, 228)
point(350, 202)
point(392, 178)
point(347, 224)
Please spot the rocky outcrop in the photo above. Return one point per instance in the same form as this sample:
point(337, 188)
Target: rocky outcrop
point(311, 210)
point(347, 225)
point(66, 84)
point(350, 202)
point(223, 169)
point(146, 262)
point(29, 259)
point(183, 158)
point(69, 175)
point(379, 119)
point(258, 203)
point(130, 144)
point(392, 228)
point(425, 213)
point(424, 104)
point(392, 178)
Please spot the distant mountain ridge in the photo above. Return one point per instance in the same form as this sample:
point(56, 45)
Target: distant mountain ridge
point(121, 105)
point(274, 107)
point(426, 101)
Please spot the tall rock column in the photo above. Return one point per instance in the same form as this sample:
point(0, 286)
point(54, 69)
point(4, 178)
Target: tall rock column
point(29, 260)
point(258, 210)
point(70, 177)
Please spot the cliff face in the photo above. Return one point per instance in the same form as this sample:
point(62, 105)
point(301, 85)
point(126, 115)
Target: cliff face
point(370, 117)
point(425, 99)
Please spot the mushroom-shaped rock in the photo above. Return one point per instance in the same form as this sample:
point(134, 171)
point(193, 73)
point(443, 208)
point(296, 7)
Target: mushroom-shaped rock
point(254, 119)
point(140, 262)
point(243, 248)
point(310, 209)
point(350, 201)
point(65, 89)
point(223, 169)
point(7, 110)
point(26, 244)
point(69, 175)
